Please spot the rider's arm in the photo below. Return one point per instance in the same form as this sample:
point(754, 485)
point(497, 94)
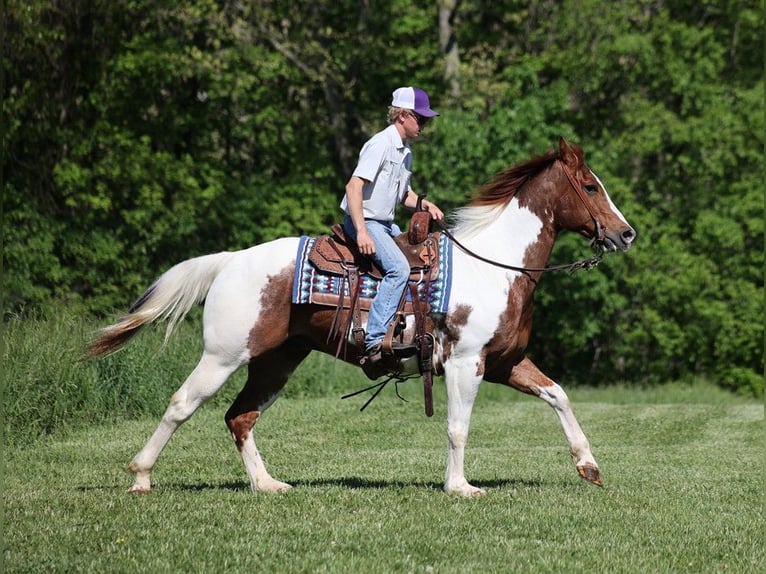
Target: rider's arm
point(354, 189)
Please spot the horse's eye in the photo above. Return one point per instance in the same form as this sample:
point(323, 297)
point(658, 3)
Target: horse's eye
point(590, 188)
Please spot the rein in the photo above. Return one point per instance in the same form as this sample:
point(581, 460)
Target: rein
point(588, 263)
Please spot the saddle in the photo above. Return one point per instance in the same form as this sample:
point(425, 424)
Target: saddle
point(338, 254)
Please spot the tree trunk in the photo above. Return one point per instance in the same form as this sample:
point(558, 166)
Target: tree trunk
point(448, 46)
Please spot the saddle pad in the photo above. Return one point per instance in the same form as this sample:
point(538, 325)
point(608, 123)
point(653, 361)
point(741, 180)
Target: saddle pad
point(309, 284)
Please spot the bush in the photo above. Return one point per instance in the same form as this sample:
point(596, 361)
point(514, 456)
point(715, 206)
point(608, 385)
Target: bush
point(49, 389)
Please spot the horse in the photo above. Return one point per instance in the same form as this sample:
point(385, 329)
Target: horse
point(506, 233)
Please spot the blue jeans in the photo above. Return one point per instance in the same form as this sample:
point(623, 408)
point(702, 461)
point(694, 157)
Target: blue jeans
point(394, 264)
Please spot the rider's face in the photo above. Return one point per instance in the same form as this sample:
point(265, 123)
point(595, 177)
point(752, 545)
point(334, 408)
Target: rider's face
point(413, 124)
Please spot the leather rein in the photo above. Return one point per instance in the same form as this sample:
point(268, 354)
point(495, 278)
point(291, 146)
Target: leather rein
point(588, 263)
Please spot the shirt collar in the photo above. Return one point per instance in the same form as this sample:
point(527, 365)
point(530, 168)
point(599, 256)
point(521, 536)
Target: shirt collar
point(396, 139)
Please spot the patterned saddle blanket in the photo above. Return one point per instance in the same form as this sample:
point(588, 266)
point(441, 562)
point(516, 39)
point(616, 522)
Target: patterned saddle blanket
point(310, 285)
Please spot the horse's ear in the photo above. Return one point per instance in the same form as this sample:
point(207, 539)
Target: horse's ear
point(565, 152)
point(570, 154)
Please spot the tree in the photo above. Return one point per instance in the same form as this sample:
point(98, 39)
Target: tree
point(139, 134)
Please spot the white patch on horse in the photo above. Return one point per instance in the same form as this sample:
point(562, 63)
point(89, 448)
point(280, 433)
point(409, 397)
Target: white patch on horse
point(609, 199)
point(505, 240)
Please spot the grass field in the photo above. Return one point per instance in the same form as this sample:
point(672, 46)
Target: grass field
point(683, 471)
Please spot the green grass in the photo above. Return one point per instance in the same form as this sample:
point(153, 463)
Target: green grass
point(682, 464)
point(683, 489)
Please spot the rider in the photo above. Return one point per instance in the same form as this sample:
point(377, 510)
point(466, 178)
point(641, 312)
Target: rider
point(379, 183)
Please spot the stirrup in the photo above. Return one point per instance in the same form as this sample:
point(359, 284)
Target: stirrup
point(404, 350)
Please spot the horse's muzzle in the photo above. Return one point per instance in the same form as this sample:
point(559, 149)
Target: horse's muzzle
point(620, 241)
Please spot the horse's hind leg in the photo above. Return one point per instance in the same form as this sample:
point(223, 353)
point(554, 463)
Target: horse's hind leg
point(527, 378)
point(267, 375)
point(203, 382)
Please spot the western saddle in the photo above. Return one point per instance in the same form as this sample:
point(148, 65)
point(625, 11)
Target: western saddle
point(337, 254)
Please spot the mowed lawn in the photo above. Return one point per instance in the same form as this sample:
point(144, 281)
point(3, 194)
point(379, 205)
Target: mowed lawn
point(683, 491)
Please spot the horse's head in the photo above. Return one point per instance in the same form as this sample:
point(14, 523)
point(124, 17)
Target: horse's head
point(586, 206)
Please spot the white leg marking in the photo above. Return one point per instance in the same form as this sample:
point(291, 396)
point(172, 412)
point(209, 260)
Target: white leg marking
point(203, 382)
point(462, 387)
point(260, 479)
point(579, 447)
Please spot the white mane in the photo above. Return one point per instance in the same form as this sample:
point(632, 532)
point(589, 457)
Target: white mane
point(470, 220)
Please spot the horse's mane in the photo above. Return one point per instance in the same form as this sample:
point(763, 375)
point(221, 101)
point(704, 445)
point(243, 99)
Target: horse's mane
point(489, 199)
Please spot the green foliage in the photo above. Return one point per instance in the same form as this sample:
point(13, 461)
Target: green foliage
point(138, 134)
point(681, 153)
point(48, 389)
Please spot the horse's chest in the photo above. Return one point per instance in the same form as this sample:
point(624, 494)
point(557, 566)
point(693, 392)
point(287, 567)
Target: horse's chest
point(493, 321)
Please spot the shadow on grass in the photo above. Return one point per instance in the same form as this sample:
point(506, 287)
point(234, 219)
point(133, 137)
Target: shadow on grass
point(357, 483)
point(350, 482)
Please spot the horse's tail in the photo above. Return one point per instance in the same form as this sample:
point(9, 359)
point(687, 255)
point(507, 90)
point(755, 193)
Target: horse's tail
point(169, 299)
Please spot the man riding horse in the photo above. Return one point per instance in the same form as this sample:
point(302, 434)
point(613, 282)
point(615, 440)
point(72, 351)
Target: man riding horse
point(381, 181)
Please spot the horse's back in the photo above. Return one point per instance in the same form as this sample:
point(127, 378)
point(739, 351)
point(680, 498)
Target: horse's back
point(264, 258)
point(253, 279)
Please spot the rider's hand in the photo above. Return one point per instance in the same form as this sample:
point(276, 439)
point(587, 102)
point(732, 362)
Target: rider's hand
point(435, 212)
point(365, 243)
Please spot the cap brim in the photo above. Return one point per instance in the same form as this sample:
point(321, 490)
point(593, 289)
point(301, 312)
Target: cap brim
point(426, 113)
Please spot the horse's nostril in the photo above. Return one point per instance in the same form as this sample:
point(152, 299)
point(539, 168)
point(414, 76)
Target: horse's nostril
point(628, 235)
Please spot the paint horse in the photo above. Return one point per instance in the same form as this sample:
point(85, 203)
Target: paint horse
point(249, 319)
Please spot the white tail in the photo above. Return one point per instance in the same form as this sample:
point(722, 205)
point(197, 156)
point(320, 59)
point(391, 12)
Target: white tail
point(169, 299)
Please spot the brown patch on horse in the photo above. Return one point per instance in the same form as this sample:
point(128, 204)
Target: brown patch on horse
point(266, 376)
point(457, 320)
point(452, 326)
point(270, 330)
point(527, 378)
point(509, 342)
point(312, 323)
point(241, 425)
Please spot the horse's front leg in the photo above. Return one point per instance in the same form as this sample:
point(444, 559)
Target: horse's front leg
point(462, 386)
point(527, 378)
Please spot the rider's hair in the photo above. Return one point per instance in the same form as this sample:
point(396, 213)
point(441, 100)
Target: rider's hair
point(393, 114)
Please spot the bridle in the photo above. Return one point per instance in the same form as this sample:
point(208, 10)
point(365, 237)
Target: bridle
point(589, 263)
point(599, 230)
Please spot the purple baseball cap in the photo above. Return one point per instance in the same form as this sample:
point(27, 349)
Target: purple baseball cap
point(413, 99)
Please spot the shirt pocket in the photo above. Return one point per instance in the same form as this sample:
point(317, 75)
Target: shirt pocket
point(391, 167)
point(404, 181)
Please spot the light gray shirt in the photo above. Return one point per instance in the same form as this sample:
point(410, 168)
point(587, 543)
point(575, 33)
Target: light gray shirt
point(385, 164)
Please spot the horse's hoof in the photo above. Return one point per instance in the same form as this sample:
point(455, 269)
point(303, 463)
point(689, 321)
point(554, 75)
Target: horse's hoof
point(591, 474)
point(136, 489)
point(273, 486)
point(467, 491)
point(142, 483)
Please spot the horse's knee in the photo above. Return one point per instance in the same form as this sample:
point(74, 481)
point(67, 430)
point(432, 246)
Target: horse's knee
point(180, 408)
point(458, 436)
point(555, 396)
point(241, 425)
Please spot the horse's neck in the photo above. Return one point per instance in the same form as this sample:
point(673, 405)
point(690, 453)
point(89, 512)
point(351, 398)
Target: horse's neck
point(513, 235)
